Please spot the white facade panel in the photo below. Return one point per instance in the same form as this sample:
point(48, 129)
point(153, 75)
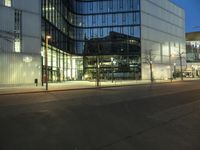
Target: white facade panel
point(7, 19)
point(31, 24)
point(163, 33)
point(31, 45)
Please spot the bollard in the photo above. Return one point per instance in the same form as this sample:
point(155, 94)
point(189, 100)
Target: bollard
point(36, 82)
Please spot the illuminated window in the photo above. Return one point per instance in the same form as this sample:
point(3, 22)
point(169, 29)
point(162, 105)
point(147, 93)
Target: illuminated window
point(18, 31)
point(8, 3)
point(17, 46)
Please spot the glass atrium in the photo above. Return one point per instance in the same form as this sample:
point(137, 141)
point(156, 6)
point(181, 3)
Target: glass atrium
point(94, 36)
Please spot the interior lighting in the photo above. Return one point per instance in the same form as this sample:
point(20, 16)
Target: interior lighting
point(27, 59)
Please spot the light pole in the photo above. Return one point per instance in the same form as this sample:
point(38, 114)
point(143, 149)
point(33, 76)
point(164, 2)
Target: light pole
point(46, 59)
point(112, 68)
point(172, 57)
point(151, 71)
point(170, 71)
point(181, 65)
point(174, 70)
point(97, 70)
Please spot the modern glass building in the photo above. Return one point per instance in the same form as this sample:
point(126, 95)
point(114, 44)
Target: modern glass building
point(87, 34)
point(106, 39)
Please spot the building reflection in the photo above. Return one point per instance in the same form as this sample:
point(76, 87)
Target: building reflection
point(118, 54)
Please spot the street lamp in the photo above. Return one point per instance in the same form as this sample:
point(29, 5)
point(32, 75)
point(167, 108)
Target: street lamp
point(112, 68)
point(170, 71)
point(172, 57)
point(46, 59)
point(174, 70)
point(113, 62)
point(181, 65)
point(151, 71)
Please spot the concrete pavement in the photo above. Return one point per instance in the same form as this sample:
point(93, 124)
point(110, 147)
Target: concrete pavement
point(76, 85)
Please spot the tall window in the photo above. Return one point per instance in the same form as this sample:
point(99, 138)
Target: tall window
point(8, 3)
point(18, 30)
point(113, 18)
point(100, 5)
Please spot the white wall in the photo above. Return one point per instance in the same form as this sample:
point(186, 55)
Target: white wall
point(13, 69)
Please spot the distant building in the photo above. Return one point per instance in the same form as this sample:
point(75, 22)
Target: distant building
point(193, 54)
point(111, 35)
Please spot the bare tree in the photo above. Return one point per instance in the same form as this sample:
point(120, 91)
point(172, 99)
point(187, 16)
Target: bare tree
point(148, 58)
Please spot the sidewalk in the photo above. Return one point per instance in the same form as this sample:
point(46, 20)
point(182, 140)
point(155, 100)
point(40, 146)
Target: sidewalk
point(76, 85)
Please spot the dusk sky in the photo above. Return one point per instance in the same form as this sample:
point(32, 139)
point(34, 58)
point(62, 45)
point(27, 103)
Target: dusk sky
point(192, 13)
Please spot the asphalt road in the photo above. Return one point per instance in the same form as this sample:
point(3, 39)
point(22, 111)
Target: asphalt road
point(142, 117)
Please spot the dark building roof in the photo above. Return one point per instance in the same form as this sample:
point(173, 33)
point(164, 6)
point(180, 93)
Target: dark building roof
point(193, 36)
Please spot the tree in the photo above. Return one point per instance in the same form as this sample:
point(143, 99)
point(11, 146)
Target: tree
point(148, 57)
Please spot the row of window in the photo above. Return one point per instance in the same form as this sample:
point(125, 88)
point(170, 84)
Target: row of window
point(75, 46)
point(59, 39)
point(70, 32)
point(82, 34)
point(18, 30)
point(106, 6)
point(130, 18)
point(54, 12)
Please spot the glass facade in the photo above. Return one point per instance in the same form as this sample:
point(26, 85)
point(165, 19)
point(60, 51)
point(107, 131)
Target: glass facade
point(193, 54)
point(193, 51)
point(94, 30)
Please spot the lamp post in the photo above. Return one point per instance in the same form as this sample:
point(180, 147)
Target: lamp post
point(46, 59)
point(170, 71)
point(181, 65)
point(112, 68)
point(97, 70)
point(151, 71)
point(172, 57)
point(174, 70)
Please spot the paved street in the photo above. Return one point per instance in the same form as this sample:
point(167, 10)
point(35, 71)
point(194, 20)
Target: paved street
point(141, 117)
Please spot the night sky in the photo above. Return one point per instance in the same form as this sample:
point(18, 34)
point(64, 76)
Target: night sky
point(192, 13)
